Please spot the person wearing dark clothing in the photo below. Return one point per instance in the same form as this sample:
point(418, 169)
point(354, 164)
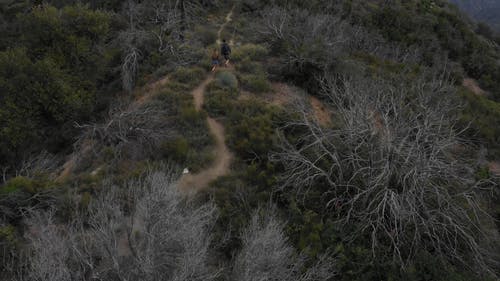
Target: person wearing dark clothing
point(226, 52)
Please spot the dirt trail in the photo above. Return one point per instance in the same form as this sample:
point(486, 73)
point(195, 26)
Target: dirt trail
point(320, 111)
point(472, 85)
point(228, 19)
point(494, 167)
point(284, 94)
point(220, 166)
point(223, 157)
point(198, 93)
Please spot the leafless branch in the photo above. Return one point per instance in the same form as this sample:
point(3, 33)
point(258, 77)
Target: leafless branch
point(391, 165)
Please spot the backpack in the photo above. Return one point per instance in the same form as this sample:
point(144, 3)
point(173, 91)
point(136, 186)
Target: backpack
point(226, 50)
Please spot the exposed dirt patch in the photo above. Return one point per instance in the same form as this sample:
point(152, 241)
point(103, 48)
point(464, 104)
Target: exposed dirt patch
point(282, 94)
point(69, 166)
point(198, 93)
point(321, 113)
point(473, 86)
point(494, 167)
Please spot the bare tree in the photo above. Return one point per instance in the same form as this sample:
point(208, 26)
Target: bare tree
point(392, 166)
point(131, 40)
point(146, 231)
point(157, 26)
point(268, 255)
point(311, 39)
point(133, 130)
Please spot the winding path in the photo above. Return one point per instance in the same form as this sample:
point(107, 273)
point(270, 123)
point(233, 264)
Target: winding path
point(222, 154)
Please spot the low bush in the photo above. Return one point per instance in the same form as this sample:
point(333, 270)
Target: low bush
point(255, 83)
point(205, 35)
point(191, 117)
point(196, 160)
point(189, 76)
point(252, 129)
point(219, 101)
point(174, 100)
point(9, 244)
point(481, 115)
point(251, 52)
point(249, 67)
point(253, 137)
point(24, 184)
point(226, 79)
point(176, 149)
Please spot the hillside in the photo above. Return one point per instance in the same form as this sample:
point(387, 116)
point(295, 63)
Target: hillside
point(336, 140)
point(487, 11)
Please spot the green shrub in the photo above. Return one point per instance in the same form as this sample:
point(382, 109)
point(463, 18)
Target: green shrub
point(482, 114)
point(252, 52)
point(85, 200)
point(189, 76)
point(8, 234)
point(255, 83)
point(219, 102)
point(176, 149)
point(174, 100)
point(206, 62)
point(205, 35)
point(250, 67)
point(160, 72)
point(18, 184)
point(253, 136)
point(191, 116)
point(196, 160)
point(179, 87)
point(9, 241)
point(227, 80)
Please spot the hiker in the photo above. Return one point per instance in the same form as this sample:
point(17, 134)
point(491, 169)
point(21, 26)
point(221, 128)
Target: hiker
point(225, 51)
point(215, 59)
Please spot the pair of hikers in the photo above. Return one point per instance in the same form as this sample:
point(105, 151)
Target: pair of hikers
point(225, 50)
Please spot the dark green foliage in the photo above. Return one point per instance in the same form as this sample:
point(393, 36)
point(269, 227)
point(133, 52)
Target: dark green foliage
point(22, 193)
point(251, 130)
point(176, 149)
point(10, 242)
point(255, 83)
point(188, 76)
point(69, 36)
point(441, 30)
point(219, 100)
point(206, 35)
point(251, 137)
point(38, 99)
point(249, 52)
point(249, 67)
point(226, 79)
point(483, 115)
point(49, 77)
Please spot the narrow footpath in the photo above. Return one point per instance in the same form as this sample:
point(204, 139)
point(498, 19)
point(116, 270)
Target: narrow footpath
point(222, 155)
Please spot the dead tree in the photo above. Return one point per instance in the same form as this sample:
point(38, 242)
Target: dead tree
point(130, 41)
point(317, 39)
point(145, 231)
point(267, 254)
point(392, 166)
point(133, 131)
